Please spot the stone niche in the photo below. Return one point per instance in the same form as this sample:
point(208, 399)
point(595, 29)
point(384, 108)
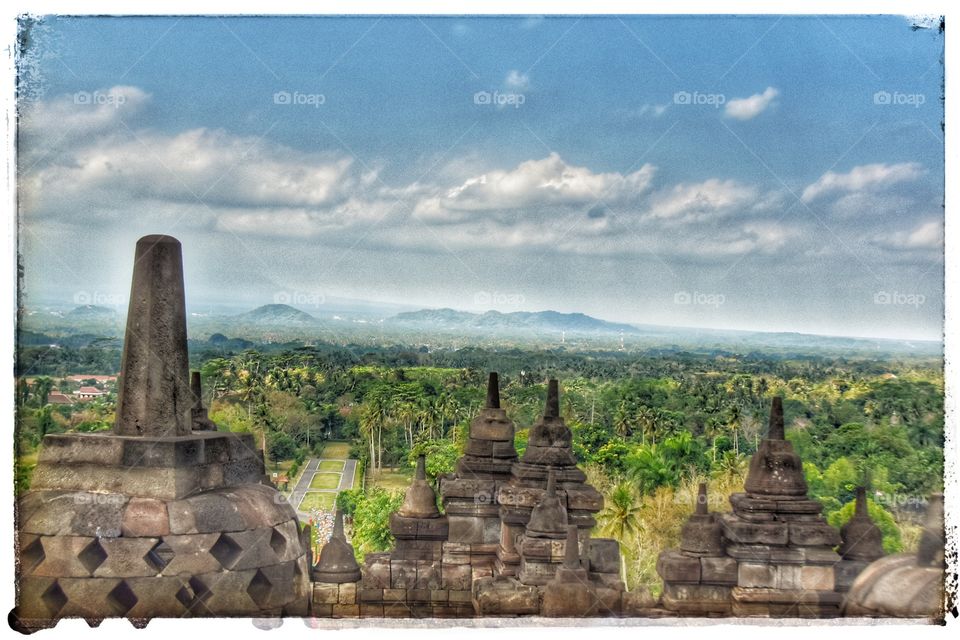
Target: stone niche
point(164, 516)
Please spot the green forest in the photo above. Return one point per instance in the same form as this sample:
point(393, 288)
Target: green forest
point(647, 427)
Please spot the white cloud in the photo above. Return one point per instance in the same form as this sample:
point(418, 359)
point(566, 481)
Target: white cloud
point(535, 183)
point(749, 108)
point(517, 80)
point(868, 177)
point(928, 235)
point(708, 200)
point(83, 113)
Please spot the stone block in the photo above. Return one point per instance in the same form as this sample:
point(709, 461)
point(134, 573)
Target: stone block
point(346, 611)
point(718, 570)
point(321, 610)
point(347, 593)
point(429, 575)
point(673, 566)
point(604, 555)
point(376, 573)
point(126, 558)
point(466, 529)
point(394, 595)
point(817, 578)
point(145, 517)
point(568, 600)
point(742, 532)
point(326, 593)
point(371, 610)
point(439, 595)
point(403, 574)
point(458, 596)
point(456, 577)
point(608, 601)
point(636, 603)
point(191, 554)
point(813, 534)
point(757, 575)
point(396, 610)
point(418, 595)
point(371, 595)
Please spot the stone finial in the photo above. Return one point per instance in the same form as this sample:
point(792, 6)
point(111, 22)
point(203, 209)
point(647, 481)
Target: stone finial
point(701, 509)
point(776, 431)
point(493, 391)
point(154, 394)
point(549, 518)
point(931, 549)
point(861, 537)
point(420, 500)
point(552, 409)
point(337, 562)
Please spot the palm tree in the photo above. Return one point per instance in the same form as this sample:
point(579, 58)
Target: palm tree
point(41, 388)
point(620, 519)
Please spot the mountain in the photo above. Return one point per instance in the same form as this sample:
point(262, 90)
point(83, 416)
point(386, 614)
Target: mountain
point(87, 312)
point(278, 315)
point(525, 321)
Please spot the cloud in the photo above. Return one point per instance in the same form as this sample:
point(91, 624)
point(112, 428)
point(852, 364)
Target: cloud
point(863, 178)
point(83, 113)
point(749, 108)
point(517, 80)
point(708, 200)
point(548, 182)
point(928, 235)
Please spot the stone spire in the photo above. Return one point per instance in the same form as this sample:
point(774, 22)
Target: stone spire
point(775, 468)
point(776, 431)
point(552, 409)
point(493, 391)
point(154, 395)
point(571, 551)
point(199, 419)
point(862, 538)
point(420, 501)
point(337, 562)
point(570, 594)
point(931, 549)
point(549, 517)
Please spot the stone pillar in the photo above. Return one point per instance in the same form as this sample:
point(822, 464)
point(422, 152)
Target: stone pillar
point(153, 396)
point(200, 421)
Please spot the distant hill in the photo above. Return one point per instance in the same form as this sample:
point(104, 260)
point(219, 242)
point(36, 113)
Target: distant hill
point(524, 321)
point(87, 312)
point(276, 315)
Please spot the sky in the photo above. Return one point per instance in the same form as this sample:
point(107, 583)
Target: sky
point(765, 173)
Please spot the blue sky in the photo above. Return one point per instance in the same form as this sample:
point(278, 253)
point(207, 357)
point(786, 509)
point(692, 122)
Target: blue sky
point(734, 172)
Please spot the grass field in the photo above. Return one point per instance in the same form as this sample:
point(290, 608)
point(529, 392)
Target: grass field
point(336, 450)
point(323, 501)
point(325, 481)
point(330, 465)
point(389, 479)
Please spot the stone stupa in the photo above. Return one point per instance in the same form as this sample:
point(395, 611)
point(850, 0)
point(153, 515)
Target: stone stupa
point(155, 519)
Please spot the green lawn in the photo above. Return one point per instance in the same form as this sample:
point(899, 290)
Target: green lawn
point(330, 465)
point(322, 501)
point(389, 479)
point(336, 450)
point(325, 481)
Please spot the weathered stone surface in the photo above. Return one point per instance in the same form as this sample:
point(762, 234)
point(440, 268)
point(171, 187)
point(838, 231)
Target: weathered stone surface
point(673, 566)
point(603, 555)
point(718, 570)
point(153, 388)
point(337, 562)
point(456, 577)
point(326, 593)
point(862, 538)
point(775, 469)
point(145, 517)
